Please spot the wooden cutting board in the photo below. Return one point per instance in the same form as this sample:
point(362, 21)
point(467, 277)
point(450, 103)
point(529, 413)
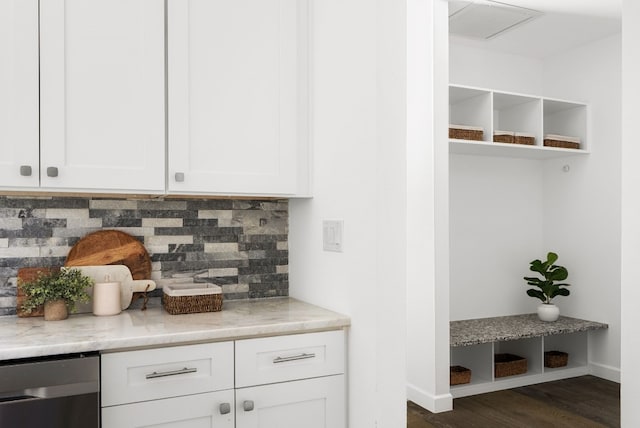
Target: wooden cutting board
point(111, 247)
point(27, 275)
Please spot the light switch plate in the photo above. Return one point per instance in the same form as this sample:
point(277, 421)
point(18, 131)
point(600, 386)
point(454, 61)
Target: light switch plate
point(332, 231)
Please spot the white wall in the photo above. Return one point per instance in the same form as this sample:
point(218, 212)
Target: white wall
point(483, 68)
point(575, 214)
point(630, 388)
point(358, 133)
point(427, 206)
point(496, 229)
point(582, 207)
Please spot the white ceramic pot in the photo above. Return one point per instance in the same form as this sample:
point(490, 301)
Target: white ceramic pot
point(548, 312)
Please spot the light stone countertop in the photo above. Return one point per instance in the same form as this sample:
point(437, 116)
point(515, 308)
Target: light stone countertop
point(133, 328)
point(514, 327)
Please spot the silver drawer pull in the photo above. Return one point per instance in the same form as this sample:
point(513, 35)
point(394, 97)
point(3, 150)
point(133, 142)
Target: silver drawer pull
point(171, 373)
point(303, 356)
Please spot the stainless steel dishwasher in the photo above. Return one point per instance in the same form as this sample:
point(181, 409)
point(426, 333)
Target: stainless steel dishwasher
point(53, 392)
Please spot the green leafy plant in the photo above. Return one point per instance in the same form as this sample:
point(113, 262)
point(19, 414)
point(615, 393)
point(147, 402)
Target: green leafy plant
point(67, 284)
point(551, 273)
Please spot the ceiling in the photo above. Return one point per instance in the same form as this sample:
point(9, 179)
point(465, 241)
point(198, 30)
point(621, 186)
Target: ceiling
point(562, 24)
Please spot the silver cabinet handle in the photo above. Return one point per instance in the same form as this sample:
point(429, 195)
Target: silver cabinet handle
point(303, 356)
point(179, 177)
point(25, 170)
point(247, 405)
point(52, 171)
point(225, 408)
point(171, 373)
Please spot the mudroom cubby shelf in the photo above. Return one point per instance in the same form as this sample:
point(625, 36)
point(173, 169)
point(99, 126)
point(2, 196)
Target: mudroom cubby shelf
point(524, 114)
point(475, 342)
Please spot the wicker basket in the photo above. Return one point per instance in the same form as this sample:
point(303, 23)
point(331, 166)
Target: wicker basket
point(553, 359)
point(526, 139)
point(507, 137)
point(191, 298)
point(463, 132)
point(459, 375)
point(509, 365)
point(561, 141)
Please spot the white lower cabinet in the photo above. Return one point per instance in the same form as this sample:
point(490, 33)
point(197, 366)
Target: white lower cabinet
point(191, 411)
point(272, 382)
point(312, 403)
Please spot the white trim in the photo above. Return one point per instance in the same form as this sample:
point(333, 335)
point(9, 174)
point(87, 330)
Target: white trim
point(433, 403)
point(605, 372)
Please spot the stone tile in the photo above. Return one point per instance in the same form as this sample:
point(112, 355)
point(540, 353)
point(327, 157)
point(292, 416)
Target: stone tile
point(54, 251)
point(282, 269)
point(282, 245)
point(61, 232)
point(168, 239)
point(121, 222)
point(235, 288)
point(209, 204)
point(162, 222)
point(19, 252)
point(112, 204)
point(75, 223)
point(229, 247)
point(136, 231)
point(160, 205)
point(223, 272)
point(66, 213)
point(11, 223)
point(4, 242)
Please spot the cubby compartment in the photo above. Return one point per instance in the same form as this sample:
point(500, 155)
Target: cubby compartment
point(518, 114)
point(567, 119)
point(478, 359)
point(471, 107)
point(526, 348)
point(574, 344)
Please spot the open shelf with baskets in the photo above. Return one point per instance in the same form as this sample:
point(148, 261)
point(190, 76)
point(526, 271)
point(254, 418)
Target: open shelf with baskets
point(528, 119)
point(475, 344)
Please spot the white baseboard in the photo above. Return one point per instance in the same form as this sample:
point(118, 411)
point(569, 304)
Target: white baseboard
point(433, 403)
point(605, 372)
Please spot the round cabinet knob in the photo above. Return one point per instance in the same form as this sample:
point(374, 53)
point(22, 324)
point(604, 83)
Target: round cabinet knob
point(247, 405)
point(179, 177)
point(225, 408)
point(52, 171)
point(25, 170)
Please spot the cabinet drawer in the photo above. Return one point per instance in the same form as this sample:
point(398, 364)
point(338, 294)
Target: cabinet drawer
point(133, 376)
point(284, 358)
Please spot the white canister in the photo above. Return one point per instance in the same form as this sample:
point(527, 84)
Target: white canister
point(106, 298)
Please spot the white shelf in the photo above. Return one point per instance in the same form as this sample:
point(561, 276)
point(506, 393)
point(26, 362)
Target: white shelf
point(505, 111)
point(487, 148)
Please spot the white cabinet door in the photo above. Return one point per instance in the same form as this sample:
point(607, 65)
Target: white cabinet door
point(311, 403)
point(102, 94)
point(210, 410)
point(19, 93)
point(236, 89)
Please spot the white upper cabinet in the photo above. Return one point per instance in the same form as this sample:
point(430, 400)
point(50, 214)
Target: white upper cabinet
point(102, 95)
point(19, 93)
point(237, 96)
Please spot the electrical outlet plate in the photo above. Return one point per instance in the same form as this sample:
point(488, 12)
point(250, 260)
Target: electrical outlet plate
point(332, 231)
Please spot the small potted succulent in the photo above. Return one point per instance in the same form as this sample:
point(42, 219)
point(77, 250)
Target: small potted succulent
point(58, 291)
point(548, 286)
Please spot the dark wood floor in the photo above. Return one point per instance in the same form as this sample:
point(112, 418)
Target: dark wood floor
point(581, 402)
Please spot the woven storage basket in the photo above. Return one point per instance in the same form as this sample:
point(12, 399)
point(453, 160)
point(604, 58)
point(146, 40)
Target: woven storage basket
point(509, 365)
point(462, 132)
point(503, 137)
point(553, 359)
point(459, 375)
point(525, 139)
point(191, 298)
point(562, 141)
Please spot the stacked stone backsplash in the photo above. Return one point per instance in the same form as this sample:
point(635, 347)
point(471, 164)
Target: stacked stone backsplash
point(241, 245)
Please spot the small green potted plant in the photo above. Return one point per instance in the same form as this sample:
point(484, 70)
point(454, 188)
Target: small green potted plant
point(548, 286)
point(58, 291)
